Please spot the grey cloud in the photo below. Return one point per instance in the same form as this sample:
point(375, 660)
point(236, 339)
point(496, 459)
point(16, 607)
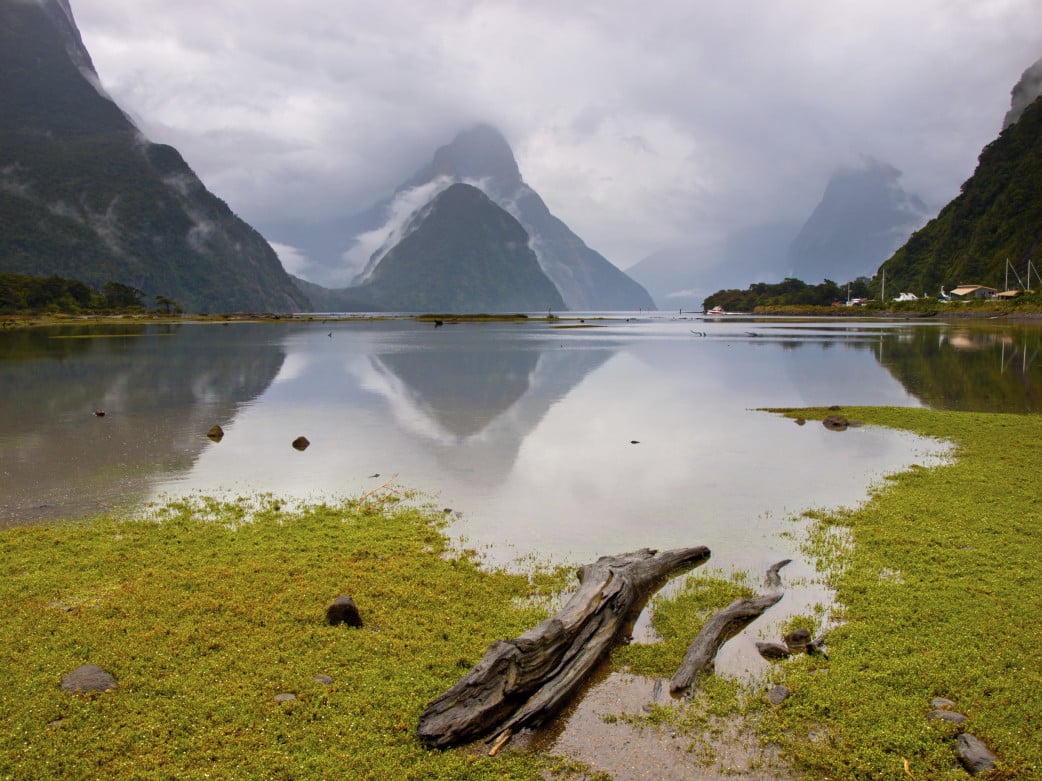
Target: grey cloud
point(642, 125)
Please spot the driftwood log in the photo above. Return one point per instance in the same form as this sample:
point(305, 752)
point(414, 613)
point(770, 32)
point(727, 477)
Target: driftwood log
point(521, 682)
point(721, 628)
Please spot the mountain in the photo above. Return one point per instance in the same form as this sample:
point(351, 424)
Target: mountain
point(460, 253)
point(997, 216)
point(863, 216)
point(480, 157)
point(84, 195)
point(1024, 93)
point(681, 278)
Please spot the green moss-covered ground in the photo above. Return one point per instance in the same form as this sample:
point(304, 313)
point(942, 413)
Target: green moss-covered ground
point(940, 596)
point(204, 618)
point(209, 611)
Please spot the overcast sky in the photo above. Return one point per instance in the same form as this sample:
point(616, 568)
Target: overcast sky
point(642, 124)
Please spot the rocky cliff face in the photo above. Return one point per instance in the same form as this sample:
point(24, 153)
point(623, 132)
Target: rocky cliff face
point(83, 194)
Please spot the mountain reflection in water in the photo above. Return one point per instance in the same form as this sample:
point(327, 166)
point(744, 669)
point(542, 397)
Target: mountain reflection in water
point(555, 443)
point(159, 386)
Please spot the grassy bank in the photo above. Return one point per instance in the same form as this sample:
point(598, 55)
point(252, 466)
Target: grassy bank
point(939, 585)
point(940, 596)
point(1027, 308)
point(204, 618)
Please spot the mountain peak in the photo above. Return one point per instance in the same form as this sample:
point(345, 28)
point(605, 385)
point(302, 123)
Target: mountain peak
point(1024, 93)
point(477, 153)
point(863, 216)
point(461, 253)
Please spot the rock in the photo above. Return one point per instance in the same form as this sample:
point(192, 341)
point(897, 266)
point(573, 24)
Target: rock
point(817, 647)
point(777, 694)
point(88, 678)
point(301, 443)
point(216, 433)
point(286, 697)
point(942, 703)
point(974, 755)
point(801, 422)
point(343, 610)
point(835, 423)
point(772, 651)
point(325, 680)
point(99, 413)
point(797, 640)
point(946, 715)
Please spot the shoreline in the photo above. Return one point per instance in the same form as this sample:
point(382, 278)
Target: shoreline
point(925, 609)
point(952, 312)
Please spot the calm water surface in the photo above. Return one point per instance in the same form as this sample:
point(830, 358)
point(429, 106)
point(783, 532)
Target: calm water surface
point(562, 443)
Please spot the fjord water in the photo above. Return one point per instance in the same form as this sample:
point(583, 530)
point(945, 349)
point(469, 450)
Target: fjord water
point(549, 438)
point(561, 441)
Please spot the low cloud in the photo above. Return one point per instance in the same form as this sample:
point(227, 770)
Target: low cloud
point(642, 126)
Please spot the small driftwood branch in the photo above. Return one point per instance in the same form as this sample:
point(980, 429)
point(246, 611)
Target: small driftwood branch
point(721, 628)
point(773, 579)
point(372, 491)
point(521, 682)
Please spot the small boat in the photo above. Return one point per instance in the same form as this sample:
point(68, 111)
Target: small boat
point(716, 310)
point(907, 297)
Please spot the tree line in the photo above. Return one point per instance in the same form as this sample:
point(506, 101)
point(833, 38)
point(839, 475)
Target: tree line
point(25, 294)
point(788, 292)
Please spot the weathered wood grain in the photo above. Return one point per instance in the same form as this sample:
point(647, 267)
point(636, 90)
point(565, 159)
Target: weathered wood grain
point(520, 682)
point(721, 628)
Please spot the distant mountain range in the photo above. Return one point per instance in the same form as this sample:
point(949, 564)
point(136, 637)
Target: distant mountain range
point(681, 277)
point(350, 254)
point(84, 195)
point(863, 216)
point(997, 217)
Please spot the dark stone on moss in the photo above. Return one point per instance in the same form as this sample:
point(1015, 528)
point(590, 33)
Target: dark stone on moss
point(88, 677)
point(835, 423)
point(777, 694)
point(797, 640)
point(216, 433)
point(974, 755)
point(950, 716)
point(325, 680)
point(773, 651)
point(343, 610)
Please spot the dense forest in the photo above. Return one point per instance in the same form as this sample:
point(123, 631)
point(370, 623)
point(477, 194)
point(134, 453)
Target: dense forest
point(24, 294)
point(997, 216)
